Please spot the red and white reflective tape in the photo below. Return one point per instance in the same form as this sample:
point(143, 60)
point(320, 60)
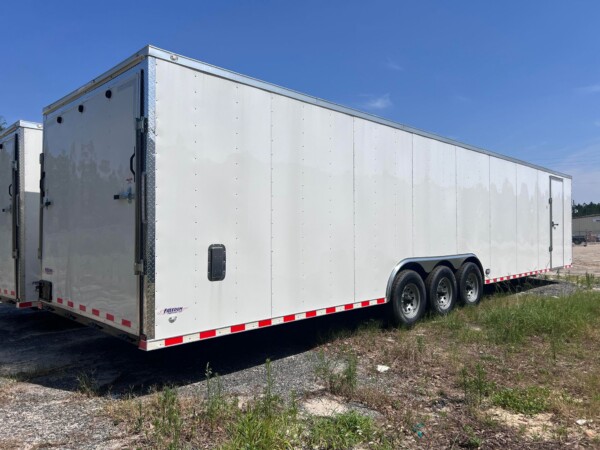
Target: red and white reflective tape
point(207, 334)
point(93, 312)
point(520, 275)
point(22, 305)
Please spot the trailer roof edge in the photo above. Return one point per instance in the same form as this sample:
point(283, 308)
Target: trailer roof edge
point(175, 58)
point(20, 124)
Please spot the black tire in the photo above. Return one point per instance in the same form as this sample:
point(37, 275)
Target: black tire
point(441, 290)
point(470, 284)
point(409, 301)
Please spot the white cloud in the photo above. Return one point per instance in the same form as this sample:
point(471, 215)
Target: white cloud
point(393, 65)
point(591, 89)
point(377, 102)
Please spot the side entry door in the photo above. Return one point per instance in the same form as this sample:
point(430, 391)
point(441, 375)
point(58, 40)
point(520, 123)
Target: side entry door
point(557, 220)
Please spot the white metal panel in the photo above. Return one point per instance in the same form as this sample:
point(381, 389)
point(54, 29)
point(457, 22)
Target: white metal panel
point(383, 204)
point(32, 147)
point(7, 263)
point(543, 194)
point(557, 222)
point(503, 226)
point(212, 187)
point(434, 198)
point(528, 223)
point(88, 236)
point(568, 232)
point(312, 207)
point(473, 204)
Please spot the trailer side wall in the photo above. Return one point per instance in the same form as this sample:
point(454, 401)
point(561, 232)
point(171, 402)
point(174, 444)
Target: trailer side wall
point(316, 207)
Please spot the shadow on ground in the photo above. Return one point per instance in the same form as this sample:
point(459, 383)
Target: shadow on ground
point(42, 348)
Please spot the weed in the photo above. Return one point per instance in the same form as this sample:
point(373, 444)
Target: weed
point(87, 384)
point(167, 420)
point(531, 400)
point(267, 423)
point(590, 280)
point(475, 385)
point(472, 440)
point(338, 381)
point(420, 344)
point(216, 407)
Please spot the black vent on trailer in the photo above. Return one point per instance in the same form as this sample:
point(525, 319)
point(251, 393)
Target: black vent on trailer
point(216, 262)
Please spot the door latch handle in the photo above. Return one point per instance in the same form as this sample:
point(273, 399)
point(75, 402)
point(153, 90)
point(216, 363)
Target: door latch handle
point(47, 203)
point(127, 195)
point(554, 224)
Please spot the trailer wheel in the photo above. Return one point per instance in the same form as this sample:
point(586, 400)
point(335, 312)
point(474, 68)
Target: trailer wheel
point(441, 290)
point(470, 284)
point(408, 298)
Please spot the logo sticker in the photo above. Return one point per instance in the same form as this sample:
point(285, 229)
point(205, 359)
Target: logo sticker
point(48, 271)
point(169, 311)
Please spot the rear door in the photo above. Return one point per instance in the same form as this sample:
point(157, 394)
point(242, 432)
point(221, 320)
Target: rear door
point(8, 216)
point(556, 222)
point(89, 203)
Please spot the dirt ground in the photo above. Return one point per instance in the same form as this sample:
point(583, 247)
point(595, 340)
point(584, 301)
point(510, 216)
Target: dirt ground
point(46, 361)
point(586, 259)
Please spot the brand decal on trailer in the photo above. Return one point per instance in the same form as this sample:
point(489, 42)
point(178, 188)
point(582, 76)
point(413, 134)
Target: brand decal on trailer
point(169, 311)
point(48, 271)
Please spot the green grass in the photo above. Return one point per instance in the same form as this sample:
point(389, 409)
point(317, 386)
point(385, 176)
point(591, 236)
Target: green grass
point(530, 400)
point(510, 320)
point(513, 320)
point(269, 421)
point(342, 431)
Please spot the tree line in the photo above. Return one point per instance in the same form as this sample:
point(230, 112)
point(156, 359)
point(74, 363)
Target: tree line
point(586, 209)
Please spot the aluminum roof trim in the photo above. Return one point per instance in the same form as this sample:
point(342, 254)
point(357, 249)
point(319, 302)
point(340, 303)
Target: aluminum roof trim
point(20, 124)
point(269, 87)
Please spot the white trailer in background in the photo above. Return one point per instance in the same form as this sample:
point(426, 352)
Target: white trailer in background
point(183, 202)
point(20, 149)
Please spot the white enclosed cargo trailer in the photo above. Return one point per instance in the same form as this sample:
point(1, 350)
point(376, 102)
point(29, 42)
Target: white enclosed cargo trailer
point(20, 149)
point(183, 202)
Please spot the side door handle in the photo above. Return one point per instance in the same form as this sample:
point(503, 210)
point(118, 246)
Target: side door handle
point(126, 195)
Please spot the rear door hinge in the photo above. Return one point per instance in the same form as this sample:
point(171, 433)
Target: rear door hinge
point(550, 200)
point(142, 124)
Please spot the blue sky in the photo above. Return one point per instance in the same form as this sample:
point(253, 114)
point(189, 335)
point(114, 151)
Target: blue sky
point(520, 78)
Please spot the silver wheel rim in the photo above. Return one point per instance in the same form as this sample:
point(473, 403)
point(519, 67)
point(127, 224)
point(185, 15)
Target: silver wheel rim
point(410, 301)
point(444, 294)
point(471, 288)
